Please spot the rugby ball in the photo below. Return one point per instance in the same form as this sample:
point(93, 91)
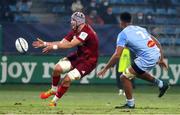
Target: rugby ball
point(21, 45)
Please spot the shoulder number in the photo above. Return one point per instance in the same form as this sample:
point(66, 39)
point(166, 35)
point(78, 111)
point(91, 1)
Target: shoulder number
point(141, 34)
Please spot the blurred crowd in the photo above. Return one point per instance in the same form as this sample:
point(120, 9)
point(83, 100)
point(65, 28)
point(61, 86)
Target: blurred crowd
point(96, 11)
point(102, 13)
point(99, 13)
point(8, 8)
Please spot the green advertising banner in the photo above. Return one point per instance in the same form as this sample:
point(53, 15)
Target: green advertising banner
point(38, 69)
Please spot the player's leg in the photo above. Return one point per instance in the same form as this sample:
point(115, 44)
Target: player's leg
point(65, 84)
point(62, 66)
point(163, 86)
point(80, 70)
point(127, 85)
point(133, 83)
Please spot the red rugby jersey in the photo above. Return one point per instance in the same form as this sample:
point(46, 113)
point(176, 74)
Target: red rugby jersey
point(88, 50)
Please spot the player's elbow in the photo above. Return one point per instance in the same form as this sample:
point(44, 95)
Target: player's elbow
point(158, 44)
point(68, 46)
point(116, 55)
point(71, 45)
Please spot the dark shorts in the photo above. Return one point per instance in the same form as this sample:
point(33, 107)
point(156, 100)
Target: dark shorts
point(83, 67)
point(137, 69)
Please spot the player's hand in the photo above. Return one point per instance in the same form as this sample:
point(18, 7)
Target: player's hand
point(48, 48)
point(38, 43)
point(102, 73)
point(163, 64)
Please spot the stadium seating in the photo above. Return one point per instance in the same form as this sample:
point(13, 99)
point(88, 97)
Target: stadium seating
point(24, 8)
point(54, 1)
point(58, 9)
point(13, 8)
point(175, 2)
point(26, 19)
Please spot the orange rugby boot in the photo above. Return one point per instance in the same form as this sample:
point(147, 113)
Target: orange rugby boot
point(45, 95)
point(52, 104)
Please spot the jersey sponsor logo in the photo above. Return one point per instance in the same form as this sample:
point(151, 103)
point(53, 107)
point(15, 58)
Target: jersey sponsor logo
point(151, 43)
point(83, 72)
point(83, 35)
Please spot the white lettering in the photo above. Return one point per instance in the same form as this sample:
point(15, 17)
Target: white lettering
point(101, 66)
point(113, 75)
point(4, 69)
point(29, 69)
point(47, 67)
point(175, 68)
point(156, 72)
point(11, 70)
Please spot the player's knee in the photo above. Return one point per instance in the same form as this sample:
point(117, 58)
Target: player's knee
point(127, 74)
point(57, 70)
point(121, 76)
point(74, 75)
point(65, 65)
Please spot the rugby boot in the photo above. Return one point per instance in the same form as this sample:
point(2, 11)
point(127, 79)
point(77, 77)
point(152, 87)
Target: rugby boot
point(163, 90)
point(45, 95)
point(52, 104)
point(125, 106)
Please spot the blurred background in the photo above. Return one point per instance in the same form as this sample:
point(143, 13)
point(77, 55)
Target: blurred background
point(50, 21)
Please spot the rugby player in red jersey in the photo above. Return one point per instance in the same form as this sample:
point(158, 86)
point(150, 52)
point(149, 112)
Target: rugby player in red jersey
point(77, 64)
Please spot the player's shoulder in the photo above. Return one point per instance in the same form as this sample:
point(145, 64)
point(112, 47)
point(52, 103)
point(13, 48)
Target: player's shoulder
point(126, 31)
point(122, 34)
point(133, 28)
point(130, 28)
point(89, 28)
point(84, 30)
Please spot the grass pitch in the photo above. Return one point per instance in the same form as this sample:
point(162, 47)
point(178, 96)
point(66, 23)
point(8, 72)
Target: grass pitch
point(87, 99)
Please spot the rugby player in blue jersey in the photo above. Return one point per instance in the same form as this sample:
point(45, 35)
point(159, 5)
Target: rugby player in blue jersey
point(148, 51)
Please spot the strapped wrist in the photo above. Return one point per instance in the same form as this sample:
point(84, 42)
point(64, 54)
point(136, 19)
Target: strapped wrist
point(55, 47)
point(45, 43)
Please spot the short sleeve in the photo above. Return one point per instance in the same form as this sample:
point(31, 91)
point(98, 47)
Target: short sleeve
point(122, 39)
point(69, 36)
point(82, 36)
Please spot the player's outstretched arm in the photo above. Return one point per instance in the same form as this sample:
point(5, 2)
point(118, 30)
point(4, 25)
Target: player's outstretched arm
point(65, 45)
point(113, 60)
point(47, 45)
point(39, 43)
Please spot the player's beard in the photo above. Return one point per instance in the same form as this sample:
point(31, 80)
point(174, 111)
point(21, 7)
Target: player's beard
point(74, 26)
